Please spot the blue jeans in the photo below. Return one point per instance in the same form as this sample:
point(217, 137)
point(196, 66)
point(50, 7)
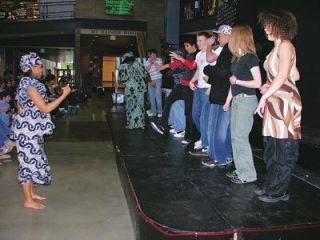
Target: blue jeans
point(219, 134)
point(155, 97)
point(177, 117)
point(200, 113)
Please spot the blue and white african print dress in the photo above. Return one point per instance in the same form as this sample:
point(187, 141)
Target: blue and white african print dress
point(28, 128)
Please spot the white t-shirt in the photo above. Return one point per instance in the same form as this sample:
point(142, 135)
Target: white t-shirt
point(201, 60)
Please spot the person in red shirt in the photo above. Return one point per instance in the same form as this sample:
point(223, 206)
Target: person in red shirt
point(182, 90)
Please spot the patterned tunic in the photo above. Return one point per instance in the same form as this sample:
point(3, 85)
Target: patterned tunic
point(134, 77)
point(282, 115)
point(28, 128)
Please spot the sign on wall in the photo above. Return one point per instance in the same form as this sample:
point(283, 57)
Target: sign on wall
point(119, 7)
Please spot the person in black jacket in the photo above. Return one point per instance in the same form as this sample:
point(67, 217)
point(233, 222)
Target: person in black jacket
point(219, 134)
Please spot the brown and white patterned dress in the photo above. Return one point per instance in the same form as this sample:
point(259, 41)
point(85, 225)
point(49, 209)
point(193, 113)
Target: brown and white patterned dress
point(282, 114)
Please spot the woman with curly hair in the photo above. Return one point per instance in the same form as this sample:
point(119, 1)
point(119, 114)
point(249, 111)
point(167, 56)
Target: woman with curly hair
point(280, 106)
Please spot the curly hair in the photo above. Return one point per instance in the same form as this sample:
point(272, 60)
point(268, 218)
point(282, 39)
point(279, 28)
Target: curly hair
point(283, 23)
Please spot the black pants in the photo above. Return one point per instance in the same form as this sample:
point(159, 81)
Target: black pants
point(280, 157)
point(180, 92)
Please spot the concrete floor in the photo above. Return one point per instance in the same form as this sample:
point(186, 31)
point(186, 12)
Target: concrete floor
point(85, 201)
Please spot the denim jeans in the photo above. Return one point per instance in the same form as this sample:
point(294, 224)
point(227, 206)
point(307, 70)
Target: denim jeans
point(219, 134)
point(242, 112)
point(180, 92)
point(177, 117)
point(200, 113)
point(155, 97)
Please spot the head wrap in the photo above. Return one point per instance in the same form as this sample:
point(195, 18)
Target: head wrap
point(28, 61)
point(128, 55)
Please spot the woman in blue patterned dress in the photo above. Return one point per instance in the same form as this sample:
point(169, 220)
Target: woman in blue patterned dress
point(29, 126)
point(133, 74)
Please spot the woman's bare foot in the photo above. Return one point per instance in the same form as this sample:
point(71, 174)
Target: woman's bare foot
point(38, 197)
point(34, 205)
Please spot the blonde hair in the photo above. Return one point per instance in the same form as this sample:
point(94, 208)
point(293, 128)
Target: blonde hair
point(241, 38)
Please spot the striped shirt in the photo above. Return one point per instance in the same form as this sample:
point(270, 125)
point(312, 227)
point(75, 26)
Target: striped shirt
point(152, 69)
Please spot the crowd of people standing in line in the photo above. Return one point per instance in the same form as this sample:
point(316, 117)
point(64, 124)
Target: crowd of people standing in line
point(216, 91)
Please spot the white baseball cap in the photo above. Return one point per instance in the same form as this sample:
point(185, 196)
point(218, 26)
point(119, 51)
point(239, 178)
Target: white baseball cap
point(225, 29)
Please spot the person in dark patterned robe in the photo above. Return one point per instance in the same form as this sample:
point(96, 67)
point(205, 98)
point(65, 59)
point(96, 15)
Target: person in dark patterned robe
point(133, 74)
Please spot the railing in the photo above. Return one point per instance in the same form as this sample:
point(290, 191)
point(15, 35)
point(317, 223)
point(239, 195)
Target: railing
point(37, 10)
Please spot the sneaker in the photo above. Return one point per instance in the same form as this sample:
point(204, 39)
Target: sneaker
point(260, 191)
point(225, 164)
point(231, 174)
point(209, 163)
point(159, 115)
point(198, 153)
point(179, 134)
point(273, 199)
point(158, 128)
point(198, 144)
point(150, 114)
point(186, 141)
point(205, 149)
point(173, 131)
point(238, 180)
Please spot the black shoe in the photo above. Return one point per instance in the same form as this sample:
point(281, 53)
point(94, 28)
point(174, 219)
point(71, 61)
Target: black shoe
point(231, 174)
point(209, 163)
point(159, 128)
point(198, 153)
point(260, 191)
point(274, 199)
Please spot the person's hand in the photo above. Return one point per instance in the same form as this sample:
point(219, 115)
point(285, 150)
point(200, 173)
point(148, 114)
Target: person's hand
point(205, 78)
point(160, 67)
point(176, 56)
point(261, 107)
point(66, 90)
point(226, 107)
point(264, 88)
point(233, 79)
point(152, 84)
point(192, 86)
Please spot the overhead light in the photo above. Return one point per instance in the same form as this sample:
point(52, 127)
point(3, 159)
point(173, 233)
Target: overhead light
point(112, 37)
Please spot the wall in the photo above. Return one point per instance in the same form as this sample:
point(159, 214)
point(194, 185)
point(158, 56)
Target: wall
point(150, 11)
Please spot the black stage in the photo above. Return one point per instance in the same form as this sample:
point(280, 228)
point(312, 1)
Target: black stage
point(172, 196)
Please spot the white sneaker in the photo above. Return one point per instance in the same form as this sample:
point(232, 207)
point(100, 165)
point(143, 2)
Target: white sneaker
point(185, 141)
point(198, 144)
point(159, 115)
point(173, 131)
point(179, 134)
point(205, 149)
point(150, 114)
